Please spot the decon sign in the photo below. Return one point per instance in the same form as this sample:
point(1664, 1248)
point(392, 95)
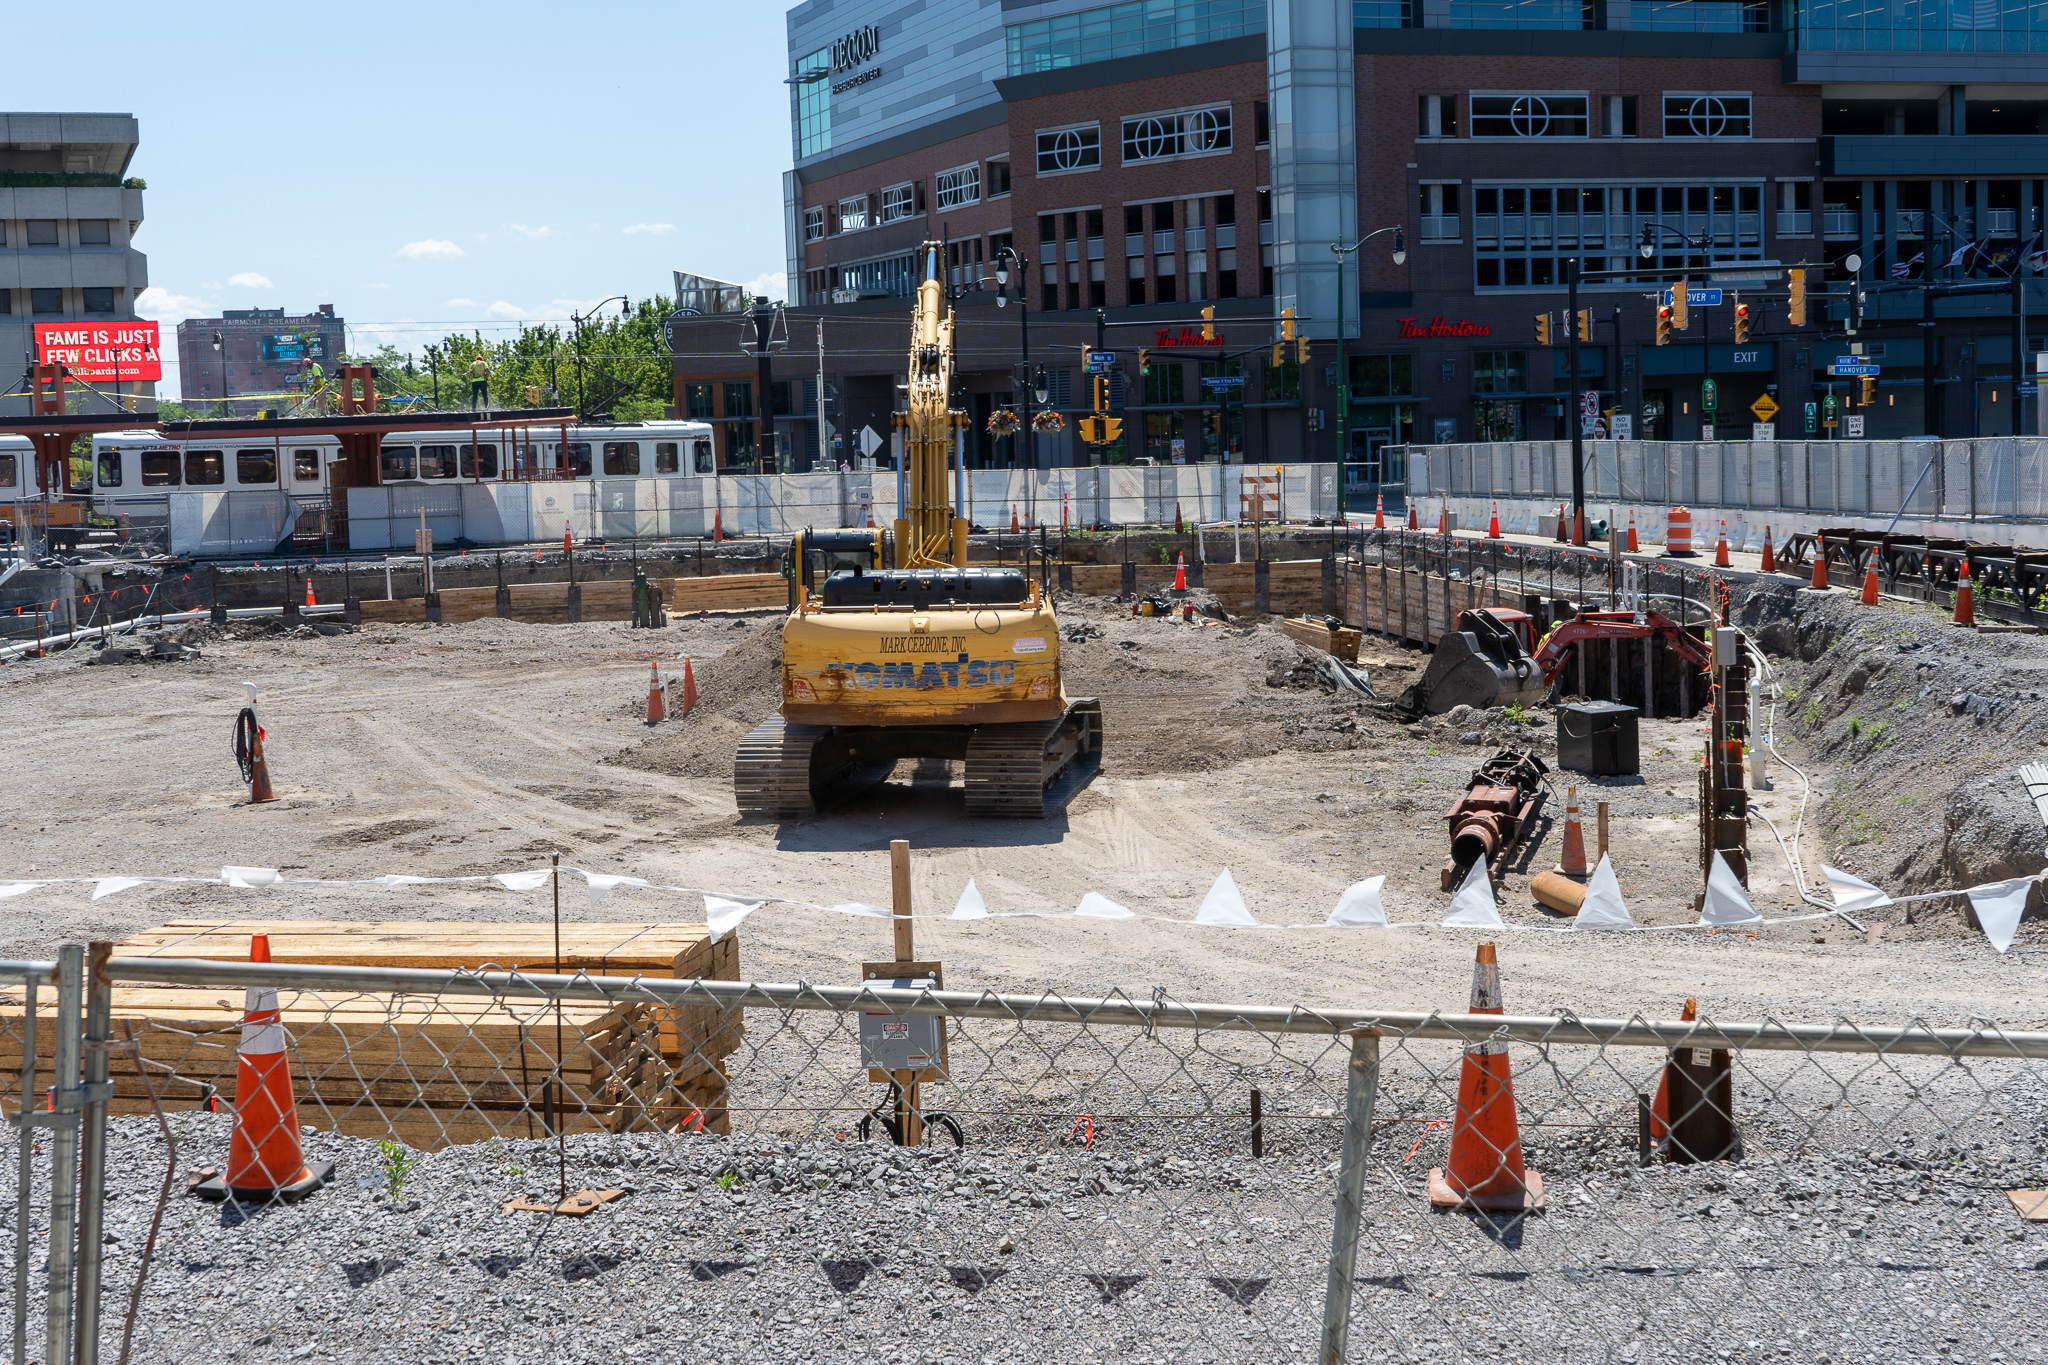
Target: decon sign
point(857, 48)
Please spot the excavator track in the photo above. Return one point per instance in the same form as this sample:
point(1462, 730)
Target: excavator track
point(771, 774)
point(1032, 770)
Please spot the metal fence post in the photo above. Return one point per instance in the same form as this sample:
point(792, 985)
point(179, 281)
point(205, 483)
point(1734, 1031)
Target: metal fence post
point(92, 1204)
point(64, 1076)
point(1361, 1089)
point(25, 1169)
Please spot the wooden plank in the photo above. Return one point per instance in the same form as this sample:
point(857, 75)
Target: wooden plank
point(1342, 641)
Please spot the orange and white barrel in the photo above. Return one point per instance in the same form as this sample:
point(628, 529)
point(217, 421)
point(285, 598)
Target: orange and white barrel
point(1678, 532)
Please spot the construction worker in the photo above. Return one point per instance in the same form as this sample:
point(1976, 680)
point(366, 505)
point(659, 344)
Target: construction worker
point(479, 381)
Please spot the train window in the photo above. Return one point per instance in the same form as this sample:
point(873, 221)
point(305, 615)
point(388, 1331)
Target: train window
point(159, 468)
point(579, 456)
point(110, 469)
point(437, 462)
point(8, 471)
point(306, 465)
point(255, 466)
point(205, 467)
point(398, 463)
point(622, 457)
point(664, 457)
point(489, 455)
point(700, 450)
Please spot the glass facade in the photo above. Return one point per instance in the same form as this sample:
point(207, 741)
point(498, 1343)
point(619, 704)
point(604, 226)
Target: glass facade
point(814, 104)
point(1521, 233)
point(1382, 14)
point(1114, 31)
point(1521, 14)
point(1920, 26)
point(1701, 16)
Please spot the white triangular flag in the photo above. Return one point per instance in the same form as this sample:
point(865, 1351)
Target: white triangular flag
point(18, 888)
point(1360, 905)
point(250, 878)
point(1224, 907)
point(970, 905)
point(1727, 902)
point(723, 916)
point(1473, 907)
point(1097, 906)
point(860, 908)
point(107, 886)
point(601, 883)
point(404, 879)
point(1853, 893)
point(1999, 906)
point(1603, 908)
point(523, 881)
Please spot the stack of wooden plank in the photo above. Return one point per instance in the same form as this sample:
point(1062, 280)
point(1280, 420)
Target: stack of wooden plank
point(604, 599)
point(430, 1071)
point(723, 592)
point(1341, 641)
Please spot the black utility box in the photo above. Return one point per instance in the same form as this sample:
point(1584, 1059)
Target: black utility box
point(1598, 738)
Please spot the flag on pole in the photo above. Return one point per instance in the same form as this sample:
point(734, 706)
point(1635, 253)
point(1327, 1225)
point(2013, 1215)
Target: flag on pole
point(2035, 260)
point(1968, 256)
point(1905, 268)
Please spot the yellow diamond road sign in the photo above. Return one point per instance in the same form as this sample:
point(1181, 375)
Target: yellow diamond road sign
point(1764, 408)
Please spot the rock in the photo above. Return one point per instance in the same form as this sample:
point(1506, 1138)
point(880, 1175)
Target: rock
point(1460, 715)
point(1970, 704)
point(1992, 831)
point(1471, 737)
point(1007, 1245)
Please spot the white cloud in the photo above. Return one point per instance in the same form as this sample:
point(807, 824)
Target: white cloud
point(637, 228)
point(555, 310)
point(533, 234)
point(162, 305)
point(460, 303)
point(773, 285)
point(429, 249)
point(249, 279)
point(378, 285)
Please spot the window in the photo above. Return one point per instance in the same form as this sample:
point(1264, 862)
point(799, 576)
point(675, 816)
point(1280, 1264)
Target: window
point(702, 457)
point(204, 467)
point(400, 462)
point(110, 469)
point(1125, 30)
point(697, 402)
point(46, 300)
point(485, 455)
point(1166, 384)
point(1437, 116)
point(8, 471)
point(1521, 14)
point(6, 295)
point(622, 457)
point(437, 462)
point(814, 224)
point(159, 469)
point(1382, 14)
point(1385, 376)
point(305, 466)
point(814, 104)
point(1262, 122)
point(1500, 372)
point(1521, 233)
point(959, 186)
point(42, 232)
point(255, 466)
point(1439, 213)
point(1549, 115)
point(1754, 16)
point(853, 213)
point(1283, 385)
point(999, 178)
point(896, 203)
point(739, 400)
point(1702, 115)
point(665, 457)
point(1157, 137)
point(1619, 116)
point(1069, 149)
point(95, 232)
point(579, 458)
point(97, 300)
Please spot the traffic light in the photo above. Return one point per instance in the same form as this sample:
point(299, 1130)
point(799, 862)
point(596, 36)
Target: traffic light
point(1869, 389)
point(1585, 324)
point(1279, 352)
point(1855, 307)
point(1543, 329)
point(1209, 324)
point(1100, 431)
point(1741, 323)
point(1287, 324)
point(533, 395)
point(1301, 349)
point(1795, 299)
point(1663, 324)
point(1144, 362)
point(1679, 316)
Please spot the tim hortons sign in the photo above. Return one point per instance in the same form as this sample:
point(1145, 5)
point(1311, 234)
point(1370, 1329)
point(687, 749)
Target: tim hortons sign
point(1416, 328)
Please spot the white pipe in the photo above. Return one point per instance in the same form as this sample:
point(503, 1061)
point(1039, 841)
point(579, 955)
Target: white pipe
point(168, 618)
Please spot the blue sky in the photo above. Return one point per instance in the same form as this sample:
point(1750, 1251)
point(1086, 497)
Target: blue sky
point(429, 166)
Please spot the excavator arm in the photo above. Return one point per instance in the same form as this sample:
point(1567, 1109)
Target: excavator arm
point(1615, 625)
point(928, 533)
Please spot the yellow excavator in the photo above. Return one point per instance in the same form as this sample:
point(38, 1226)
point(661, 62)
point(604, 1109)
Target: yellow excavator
point(926, 659)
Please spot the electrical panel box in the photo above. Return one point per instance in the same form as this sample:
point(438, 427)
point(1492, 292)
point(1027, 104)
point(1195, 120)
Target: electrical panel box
point(1598, 738)
point(1727, 647)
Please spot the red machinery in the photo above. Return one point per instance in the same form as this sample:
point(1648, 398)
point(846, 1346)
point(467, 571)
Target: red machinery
point(1497, 809)
point(1615, 625)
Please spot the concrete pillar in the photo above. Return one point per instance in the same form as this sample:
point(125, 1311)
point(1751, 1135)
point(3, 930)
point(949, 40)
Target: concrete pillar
point(1311, 69)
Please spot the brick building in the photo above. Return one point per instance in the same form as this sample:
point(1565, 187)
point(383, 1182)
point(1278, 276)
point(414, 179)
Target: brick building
point(1153, 158)
point(260, 354)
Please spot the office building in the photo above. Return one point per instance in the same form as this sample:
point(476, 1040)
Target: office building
point(255, 358)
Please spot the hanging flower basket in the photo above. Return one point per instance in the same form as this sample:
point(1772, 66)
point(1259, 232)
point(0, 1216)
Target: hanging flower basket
point(1048, 422)
point(1003, 422)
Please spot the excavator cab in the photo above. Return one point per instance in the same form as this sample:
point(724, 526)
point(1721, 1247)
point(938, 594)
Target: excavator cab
point(815, 556)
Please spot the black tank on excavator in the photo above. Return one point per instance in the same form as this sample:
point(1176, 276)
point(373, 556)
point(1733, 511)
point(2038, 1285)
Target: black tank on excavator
point(925, 588)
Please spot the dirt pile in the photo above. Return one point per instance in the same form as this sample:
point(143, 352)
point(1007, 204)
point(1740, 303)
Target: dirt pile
point(736, 690)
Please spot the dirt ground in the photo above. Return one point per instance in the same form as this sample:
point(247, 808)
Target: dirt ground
point(486, 746)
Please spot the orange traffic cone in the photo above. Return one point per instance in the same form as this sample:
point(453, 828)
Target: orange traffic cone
point(1483, 1169)
point(1721, 547)
point(1632, 530)
point(1770, 564)
point(1562, 535)
point(1180, 573)
point(568, 545)
point(1443, 519)
point(264, 1158)
point(1014, 527)
point(1820, 564)
point(253, 764)
point(689, 689)
point(1869, 598)
point(1966, 612)
point(1493, 521)
point(1411, 518)
point(868, 509)
point(1179, 528)
point(1579, 526)
point(1379, 512)
point(1063, 514)
point(1660, 1108)
point(1573, 862)
point(309, 591)
point(718, 524)
point(656, 713)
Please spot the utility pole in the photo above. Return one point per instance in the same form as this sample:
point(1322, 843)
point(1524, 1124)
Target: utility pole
point(2019, 344)
point(1571, 323)
point(1025, 432)
point(763, 318)
point(824, 450)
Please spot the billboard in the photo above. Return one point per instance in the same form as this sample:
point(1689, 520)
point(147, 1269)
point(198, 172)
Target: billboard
point(292, 346)
point(101, 351)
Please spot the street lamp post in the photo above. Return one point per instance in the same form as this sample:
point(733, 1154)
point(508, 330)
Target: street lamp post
point(220, 348)
point(1010, 262)
point(1400, 257)
point(577, 320)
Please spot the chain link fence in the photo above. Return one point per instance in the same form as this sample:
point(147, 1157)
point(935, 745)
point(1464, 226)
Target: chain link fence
point(797, 1172)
